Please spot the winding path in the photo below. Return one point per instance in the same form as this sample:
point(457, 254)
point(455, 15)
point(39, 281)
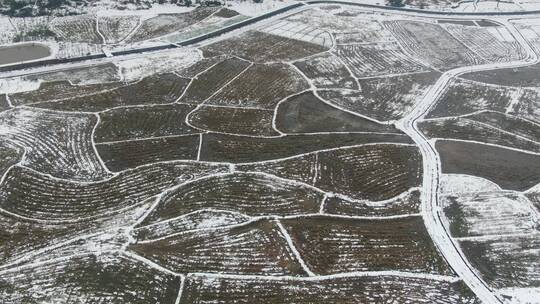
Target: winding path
point(431, 209)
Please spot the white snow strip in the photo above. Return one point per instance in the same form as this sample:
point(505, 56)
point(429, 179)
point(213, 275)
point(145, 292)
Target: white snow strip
point(294, 250)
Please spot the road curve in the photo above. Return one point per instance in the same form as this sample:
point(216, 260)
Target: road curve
point(431, 209)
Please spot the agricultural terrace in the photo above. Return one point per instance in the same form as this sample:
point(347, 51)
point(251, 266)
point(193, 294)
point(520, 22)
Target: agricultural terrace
point(324, 155)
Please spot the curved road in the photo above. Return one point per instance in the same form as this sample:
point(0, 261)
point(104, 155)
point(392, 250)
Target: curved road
point(431, 208)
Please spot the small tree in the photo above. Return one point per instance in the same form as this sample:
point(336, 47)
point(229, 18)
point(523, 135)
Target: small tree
point(396, 3)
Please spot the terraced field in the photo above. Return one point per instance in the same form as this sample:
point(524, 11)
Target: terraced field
point(328, 154)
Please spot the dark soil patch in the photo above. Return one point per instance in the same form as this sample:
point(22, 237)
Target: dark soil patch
point(528, 76)
point(512, 170)
point(460, 22)
point(306, 113)
point(487, 23)
point(226, 13)
point(4, 105)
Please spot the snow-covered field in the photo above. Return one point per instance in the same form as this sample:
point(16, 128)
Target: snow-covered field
point(327, 155)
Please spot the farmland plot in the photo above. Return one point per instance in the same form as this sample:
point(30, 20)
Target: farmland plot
point(306, 113)
point(384, 98)
point(143, 122)
point(512, 124)
point(377, 59)
point(238, 149)
point(491, 213)
point(38, 196)
point(432, 44)
point(510, 169)
point(19, 238)
point(527, 76)
point(211, 80)
point(494, 44)
point(157, 89)
point(27, 241)
point(511, 261)
point(327, 71)
point(58, 90)
point(334, 245)
point(257, 247)
point(82, 279)
point(260, 86)
point(373, 172)
point(266, 195)
point(77, 29)
point(55, 143)
point(465, 97)
point(341, 290)
point(164, 24)
point(115, 28)
point(253, 46)
point(233, 120)
point(122, 155)
point(468, 129)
